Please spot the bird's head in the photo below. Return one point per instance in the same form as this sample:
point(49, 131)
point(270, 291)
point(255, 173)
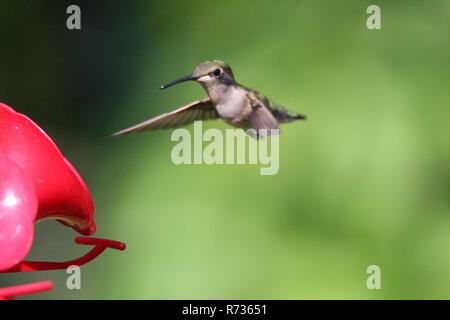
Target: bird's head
point(208, 74)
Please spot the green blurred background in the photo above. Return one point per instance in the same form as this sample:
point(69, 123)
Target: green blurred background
point(364, 181)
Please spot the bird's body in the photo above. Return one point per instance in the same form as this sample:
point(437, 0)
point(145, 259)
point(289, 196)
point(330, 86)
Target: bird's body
point(231, 104)
point(237, 105)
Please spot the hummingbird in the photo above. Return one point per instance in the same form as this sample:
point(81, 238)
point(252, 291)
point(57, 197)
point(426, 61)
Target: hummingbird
point(237, 105)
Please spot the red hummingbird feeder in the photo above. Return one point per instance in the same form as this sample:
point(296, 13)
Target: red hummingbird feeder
point(37, 182)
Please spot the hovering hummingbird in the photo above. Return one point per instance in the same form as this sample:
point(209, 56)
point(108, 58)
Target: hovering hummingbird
point(237, 105)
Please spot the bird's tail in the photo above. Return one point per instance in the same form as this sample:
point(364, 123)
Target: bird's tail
point(283, 115)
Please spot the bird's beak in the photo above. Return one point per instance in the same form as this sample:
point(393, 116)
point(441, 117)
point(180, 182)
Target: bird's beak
point(187, 78)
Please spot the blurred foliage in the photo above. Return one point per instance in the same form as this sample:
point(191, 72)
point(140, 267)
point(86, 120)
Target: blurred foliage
point(364, 181)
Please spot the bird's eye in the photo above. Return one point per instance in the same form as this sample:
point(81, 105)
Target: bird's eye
point(217, 72)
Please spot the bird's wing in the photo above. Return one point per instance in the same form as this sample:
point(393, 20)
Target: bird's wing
point(197, 110)
point(261, 117)
point(280, 113)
